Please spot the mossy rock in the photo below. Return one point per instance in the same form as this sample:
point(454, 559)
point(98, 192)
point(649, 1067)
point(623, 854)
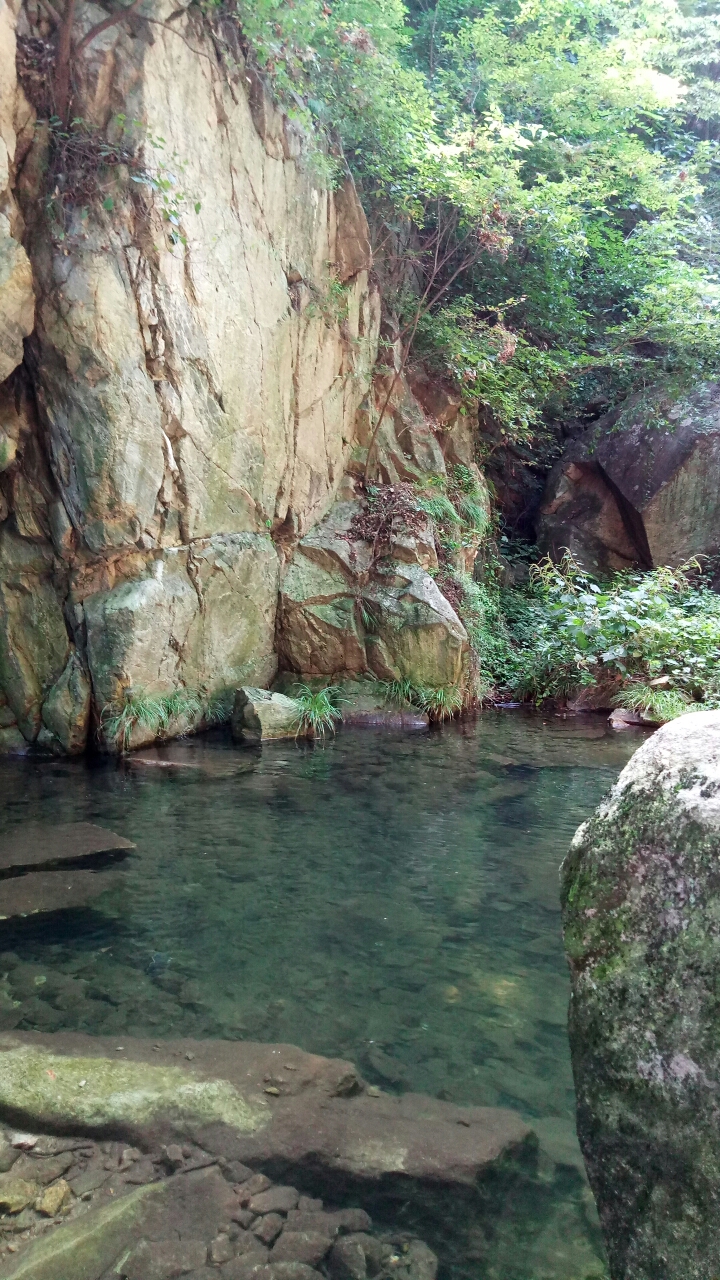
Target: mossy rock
point(49, 1091)
point(641, 908)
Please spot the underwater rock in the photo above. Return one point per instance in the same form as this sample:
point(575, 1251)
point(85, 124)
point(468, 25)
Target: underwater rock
point(41, 891)
point(35, 845)
point(641, 903)
point(259, 716)
point(321, 1118)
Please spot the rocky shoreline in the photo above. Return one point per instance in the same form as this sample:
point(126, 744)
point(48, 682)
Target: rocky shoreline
point(152, 1161)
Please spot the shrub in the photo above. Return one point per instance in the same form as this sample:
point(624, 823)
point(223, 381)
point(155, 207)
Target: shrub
point(659, 632)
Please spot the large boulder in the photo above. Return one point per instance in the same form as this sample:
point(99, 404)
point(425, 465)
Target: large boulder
point(199, 619)
point(641, 487)
point(641, 905)
point(343, 613)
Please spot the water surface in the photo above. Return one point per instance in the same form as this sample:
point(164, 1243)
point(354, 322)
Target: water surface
point(390, 899)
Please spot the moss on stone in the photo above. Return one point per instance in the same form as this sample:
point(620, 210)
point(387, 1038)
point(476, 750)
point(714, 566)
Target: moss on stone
point(98, 1093)
point(85, 1248)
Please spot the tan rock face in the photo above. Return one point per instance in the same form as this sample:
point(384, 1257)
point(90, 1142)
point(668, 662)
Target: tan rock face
point(259, 716)
point(205, 387)
point(200, 619)
point(340, 614)
point(193, 396)
point(17, 300)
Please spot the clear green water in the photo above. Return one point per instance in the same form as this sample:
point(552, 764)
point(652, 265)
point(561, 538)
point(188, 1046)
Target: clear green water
point(390, 899)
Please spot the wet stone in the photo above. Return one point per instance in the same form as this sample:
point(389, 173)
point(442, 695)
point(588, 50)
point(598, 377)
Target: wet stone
point(165, 1259)
point(140, 1173)
point(254, 1185)
point(16, 1193)
point(249, 1266)
point(243, 1217)
point(347, 1260)
point(53, 1198)
point(300, 1246)
point(90, 1179)
point(221, 1250)
point(276, 1200)
point(306, 1204)
point(268, 1227)
point(246, 1242)
point(236, 1172)
point(43, 1169)
point(324, 1223)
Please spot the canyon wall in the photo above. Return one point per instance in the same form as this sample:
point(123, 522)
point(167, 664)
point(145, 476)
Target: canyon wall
point(198, 341)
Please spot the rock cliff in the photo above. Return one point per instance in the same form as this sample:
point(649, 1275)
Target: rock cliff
point(199, 340)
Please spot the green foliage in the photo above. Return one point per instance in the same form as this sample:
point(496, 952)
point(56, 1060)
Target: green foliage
point(439, 703)
point(156, 712)
point(657, 634)
point(91, 166)
point(318, 711)
point(439, 507)
point(657, 705)
point(573, 142)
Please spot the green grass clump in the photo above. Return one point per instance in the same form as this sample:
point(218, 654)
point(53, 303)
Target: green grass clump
point(659, 705)
point(318, 712)
point(149, 711)
point(439, 703)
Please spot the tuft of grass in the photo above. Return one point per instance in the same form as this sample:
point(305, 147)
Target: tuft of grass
point(439, 507)
point(150, 711)
point(657, 704)
point(318, 712)
point(440, 704)
point(399, 693)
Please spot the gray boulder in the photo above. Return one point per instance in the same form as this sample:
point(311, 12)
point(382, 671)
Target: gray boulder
point(259, 716)
point(641, 904)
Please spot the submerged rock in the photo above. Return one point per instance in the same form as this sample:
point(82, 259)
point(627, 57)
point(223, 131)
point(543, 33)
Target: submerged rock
point(270, 1106)
point(259, 716)
point(641, 904)
point(35, 845)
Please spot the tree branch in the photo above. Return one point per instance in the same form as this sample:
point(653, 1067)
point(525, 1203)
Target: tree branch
point(111, 21)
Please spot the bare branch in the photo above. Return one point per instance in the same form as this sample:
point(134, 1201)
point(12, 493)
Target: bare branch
point(52, 11)
point(111, 21)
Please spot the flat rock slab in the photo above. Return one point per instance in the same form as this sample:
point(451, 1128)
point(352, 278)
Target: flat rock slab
point(190, 760)
point(35, 845)
point(43, 891)
point(304, 1111)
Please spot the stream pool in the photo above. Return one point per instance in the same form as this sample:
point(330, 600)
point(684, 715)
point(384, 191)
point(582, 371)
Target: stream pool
point(389, 899)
